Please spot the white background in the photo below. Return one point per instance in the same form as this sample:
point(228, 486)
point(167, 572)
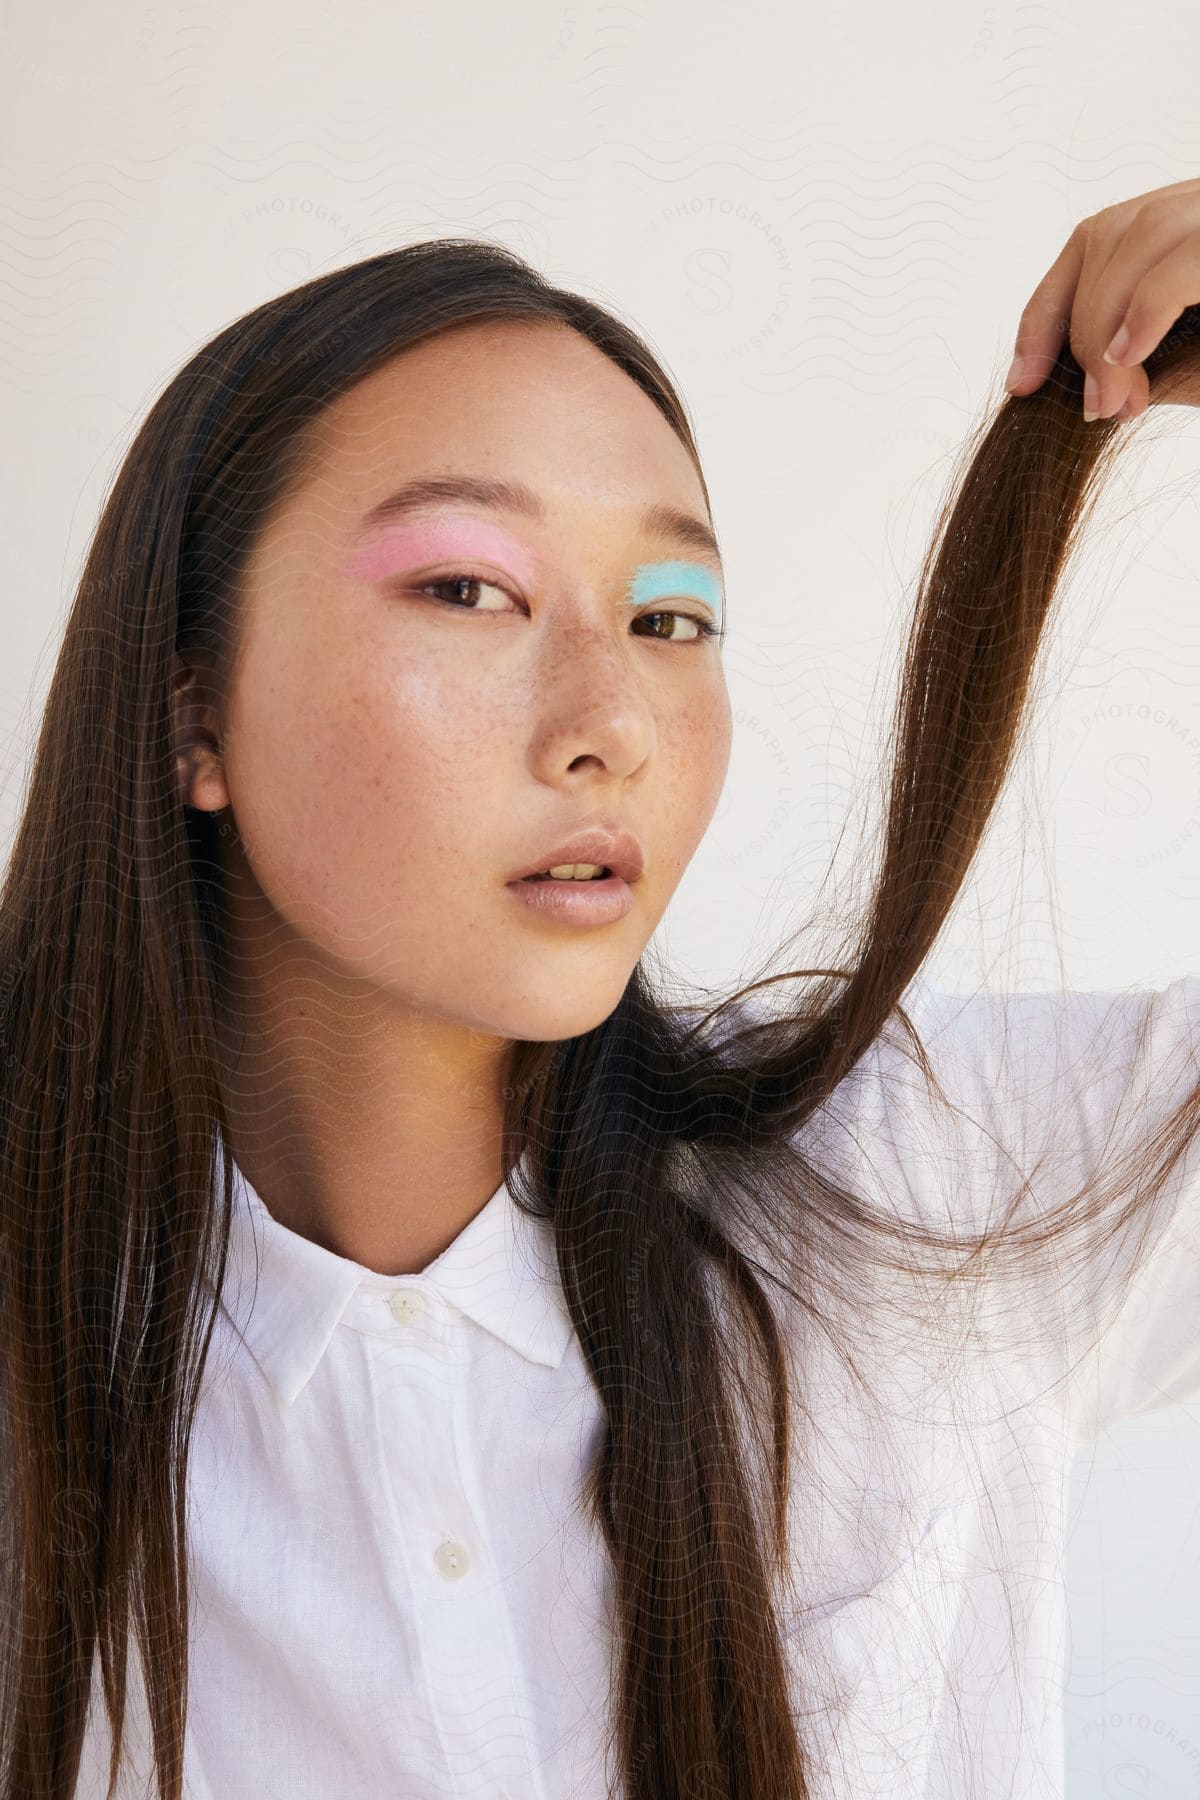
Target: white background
point(826, 222)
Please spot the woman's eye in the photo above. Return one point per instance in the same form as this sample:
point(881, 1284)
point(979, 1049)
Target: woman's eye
point(458, 582)
point(701, 631)
point(461, 590)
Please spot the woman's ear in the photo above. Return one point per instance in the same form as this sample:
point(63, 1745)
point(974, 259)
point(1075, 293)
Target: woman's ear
point(198, 763)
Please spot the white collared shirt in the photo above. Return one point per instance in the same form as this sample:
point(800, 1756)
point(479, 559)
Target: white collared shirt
point(394, 1592)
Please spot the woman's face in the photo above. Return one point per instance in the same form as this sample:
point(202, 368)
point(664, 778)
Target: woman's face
point(393, 758)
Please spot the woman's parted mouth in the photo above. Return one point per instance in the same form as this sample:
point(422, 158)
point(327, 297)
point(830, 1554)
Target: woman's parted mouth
point(601, 845)
point(589, 900)
point(592, 875)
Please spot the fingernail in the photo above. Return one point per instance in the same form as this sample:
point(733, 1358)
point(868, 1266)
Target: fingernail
point(1014, 373)
point(1091, 399)
point(1118, 347)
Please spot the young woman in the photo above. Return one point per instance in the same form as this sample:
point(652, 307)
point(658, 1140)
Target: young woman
point(435, 1361)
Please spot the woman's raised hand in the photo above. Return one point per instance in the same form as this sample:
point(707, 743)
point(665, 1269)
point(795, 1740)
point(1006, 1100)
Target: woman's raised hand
point(1115, 289)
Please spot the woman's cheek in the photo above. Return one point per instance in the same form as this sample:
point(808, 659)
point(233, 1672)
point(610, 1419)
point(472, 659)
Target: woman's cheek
point(706, 736)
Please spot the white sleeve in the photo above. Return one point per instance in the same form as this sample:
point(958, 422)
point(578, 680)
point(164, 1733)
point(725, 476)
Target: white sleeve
point(1053, 1087)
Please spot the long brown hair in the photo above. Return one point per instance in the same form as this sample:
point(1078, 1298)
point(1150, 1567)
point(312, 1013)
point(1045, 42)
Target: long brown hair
point(666, 1155)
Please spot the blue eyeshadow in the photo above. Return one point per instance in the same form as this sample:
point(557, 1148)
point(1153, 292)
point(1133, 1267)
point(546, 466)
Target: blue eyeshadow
point(676, 581)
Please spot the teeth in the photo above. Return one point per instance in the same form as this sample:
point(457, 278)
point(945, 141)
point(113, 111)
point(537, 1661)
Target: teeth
point(575, 871)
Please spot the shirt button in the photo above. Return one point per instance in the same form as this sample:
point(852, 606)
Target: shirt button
point(451, 1560)
point(407, 1305)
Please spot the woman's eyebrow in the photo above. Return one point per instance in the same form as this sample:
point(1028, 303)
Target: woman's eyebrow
point(497, 495)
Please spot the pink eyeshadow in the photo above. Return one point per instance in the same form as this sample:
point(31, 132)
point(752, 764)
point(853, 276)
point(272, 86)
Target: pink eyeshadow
point(400, 546)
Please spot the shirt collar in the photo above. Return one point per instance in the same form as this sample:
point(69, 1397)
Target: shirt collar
point(286, 1294)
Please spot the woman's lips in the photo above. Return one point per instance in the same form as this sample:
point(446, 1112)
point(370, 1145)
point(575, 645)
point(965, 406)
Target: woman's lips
point(598, 902)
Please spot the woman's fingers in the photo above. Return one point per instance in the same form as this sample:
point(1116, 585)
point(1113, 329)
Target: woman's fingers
point(1116, 288)
point(1042, 329)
